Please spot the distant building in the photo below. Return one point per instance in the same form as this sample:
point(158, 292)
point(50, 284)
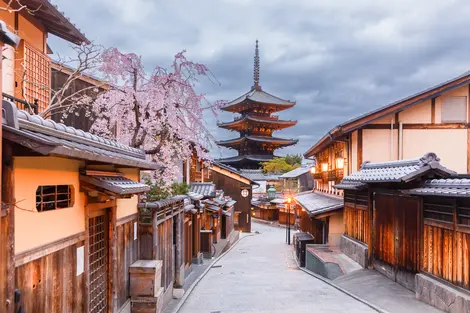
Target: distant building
point(256, 125)
point(263, 179)
point(297, 180)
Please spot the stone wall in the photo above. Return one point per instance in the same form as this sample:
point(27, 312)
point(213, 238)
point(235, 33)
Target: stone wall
point(355, 250)
point(404, 278)
point(441, 296)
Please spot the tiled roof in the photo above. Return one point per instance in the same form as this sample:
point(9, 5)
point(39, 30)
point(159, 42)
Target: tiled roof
point(395, 171)
point(451, 187)
point(248, 118)
point(55, 21)
point(195, 196)
point(280, 141)
point(261, 97)
point(116, 184)
point(161, 203)
point(316, 203)
point(234, 171)
point(205, 189)
point(296, 172)
point(259, 158)
point(50, 138)
point(258, 175)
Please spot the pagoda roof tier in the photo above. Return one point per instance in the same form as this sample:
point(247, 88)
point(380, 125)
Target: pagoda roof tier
point(248, 157)
point(257, 98)
point(247, 120)
point(257, 139)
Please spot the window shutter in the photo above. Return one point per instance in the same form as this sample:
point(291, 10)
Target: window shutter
point(454, 110)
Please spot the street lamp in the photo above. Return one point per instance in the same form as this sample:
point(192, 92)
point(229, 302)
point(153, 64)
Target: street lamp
point(289, 200)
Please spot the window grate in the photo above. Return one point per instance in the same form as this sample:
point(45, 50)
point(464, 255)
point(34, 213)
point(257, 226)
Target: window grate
point(37, 77)
point(98, 264)
point(53, 197)
point(463, 216)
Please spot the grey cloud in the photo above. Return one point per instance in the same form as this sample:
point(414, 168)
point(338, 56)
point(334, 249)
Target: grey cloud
point(337, 59)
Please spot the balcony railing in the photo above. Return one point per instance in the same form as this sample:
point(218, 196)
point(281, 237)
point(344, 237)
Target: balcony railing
point(31, 108)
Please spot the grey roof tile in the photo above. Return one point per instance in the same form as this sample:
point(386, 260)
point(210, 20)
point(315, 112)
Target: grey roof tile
point(258, 175)
point(71, 142)
point(450, 187)
point(260, 96)
point(116, 184)
point(205, 189)
point(315, 203)
point(296, 172)
point(394, 171)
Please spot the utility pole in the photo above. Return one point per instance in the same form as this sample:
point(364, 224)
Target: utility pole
point(289, 200)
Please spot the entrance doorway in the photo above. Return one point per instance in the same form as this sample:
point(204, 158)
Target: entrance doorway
point(98, 239)
point(397, 229)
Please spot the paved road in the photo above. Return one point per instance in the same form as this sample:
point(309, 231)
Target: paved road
point(260, 275)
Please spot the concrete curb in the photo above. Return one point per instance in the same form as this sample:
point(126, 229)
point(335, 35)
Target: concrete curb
point(329, 282)
point(194, 284)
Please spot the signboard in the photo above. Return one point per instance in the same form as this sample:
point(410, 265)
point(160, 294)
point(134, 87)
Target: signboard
point(80, 260)
point(245, 193)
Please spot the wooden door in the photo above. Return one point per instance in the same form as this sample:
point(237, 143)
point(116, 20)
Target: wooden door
point(397, 231)
point(98, 239)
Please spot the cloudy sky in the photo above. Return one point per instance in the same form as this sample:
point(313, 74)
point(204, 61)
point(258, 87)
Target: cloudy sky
point(336, 58)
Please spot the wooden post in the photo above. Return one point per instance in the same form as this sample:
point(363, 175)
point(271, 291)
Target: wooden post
point(371, 239)
point(113, 276)
point(359, 149)
point(179, 279)
point(7, 244)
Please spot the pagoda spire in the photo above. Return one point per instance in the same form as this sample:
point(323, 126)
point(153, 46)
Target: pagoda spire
point(256, 85)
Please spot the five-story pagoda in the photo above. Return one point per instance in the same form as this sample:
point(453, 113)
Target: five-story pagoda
point(256, 125)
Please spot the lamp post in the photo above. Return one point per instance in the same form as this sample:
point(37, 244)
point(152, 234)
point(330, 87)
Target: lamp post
point(289, 200)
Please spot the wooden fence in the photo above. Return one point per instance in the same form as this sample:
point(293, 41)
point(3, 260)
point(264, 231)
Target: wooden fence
point(356, 215)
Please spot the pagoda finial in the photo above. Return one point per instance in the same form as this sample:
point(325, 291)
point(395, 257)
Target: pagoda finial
point(256, 68)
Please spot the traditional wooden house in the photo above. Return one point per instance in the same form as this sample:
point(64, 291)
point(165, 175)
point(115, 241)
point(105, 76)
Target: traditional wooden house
point(71, 201)
point(195, 170)
point(297, 180)
point(192, 226)
point(265, 180)
point(263, 208)
point(26, 77)
point(320, 215)
point(435, 119)
point(403, 219)
point(239, 189)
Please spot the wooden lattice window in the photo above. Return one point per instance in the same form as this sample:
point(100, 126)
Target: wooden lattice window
point(37, 77)
point(54, 197)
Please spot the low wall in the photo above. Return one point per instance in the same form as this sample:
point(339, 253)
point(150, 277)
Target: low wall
point(404, 278)
point(440, 295)
point(355, 250)
point(326, 269)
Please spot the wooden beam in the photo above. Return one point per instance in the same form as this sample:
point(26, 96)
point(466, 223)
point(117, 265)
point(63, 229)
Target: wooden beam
point(468, 151)
point(433, 111)
point(39, 252)
point(359, 148)
point(7, 244)
point(420, 126)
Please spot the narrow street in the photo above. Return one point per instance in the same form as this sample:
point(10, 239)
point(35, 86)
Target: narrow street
point(260, 275)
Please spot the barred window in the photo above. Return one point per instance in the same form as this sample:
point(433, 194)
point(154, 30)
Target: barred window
point(37, 76)
point(54, 197)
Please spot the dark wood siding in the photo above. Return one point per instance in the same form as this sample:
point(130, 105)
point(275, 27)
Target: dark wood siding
point(446, 242)
point(51, 284)
point(396, 231)
point(356, 215)
point(126, 255)
point(312, 226)
point(233, 188)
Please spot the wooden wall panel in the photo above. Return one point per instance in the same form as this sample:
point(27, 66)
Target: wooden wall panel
point(126, 255)
point(50, 284)
point(356, 223)
point(446, 255)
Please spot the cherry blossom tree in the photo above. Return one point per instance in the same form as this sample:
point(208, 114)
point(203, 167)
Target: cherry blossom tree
point(160, 111)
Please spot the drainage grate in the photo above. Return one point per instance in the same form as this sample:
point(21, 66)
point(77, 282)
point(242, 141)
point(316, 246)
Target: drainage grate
point(216, 266)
